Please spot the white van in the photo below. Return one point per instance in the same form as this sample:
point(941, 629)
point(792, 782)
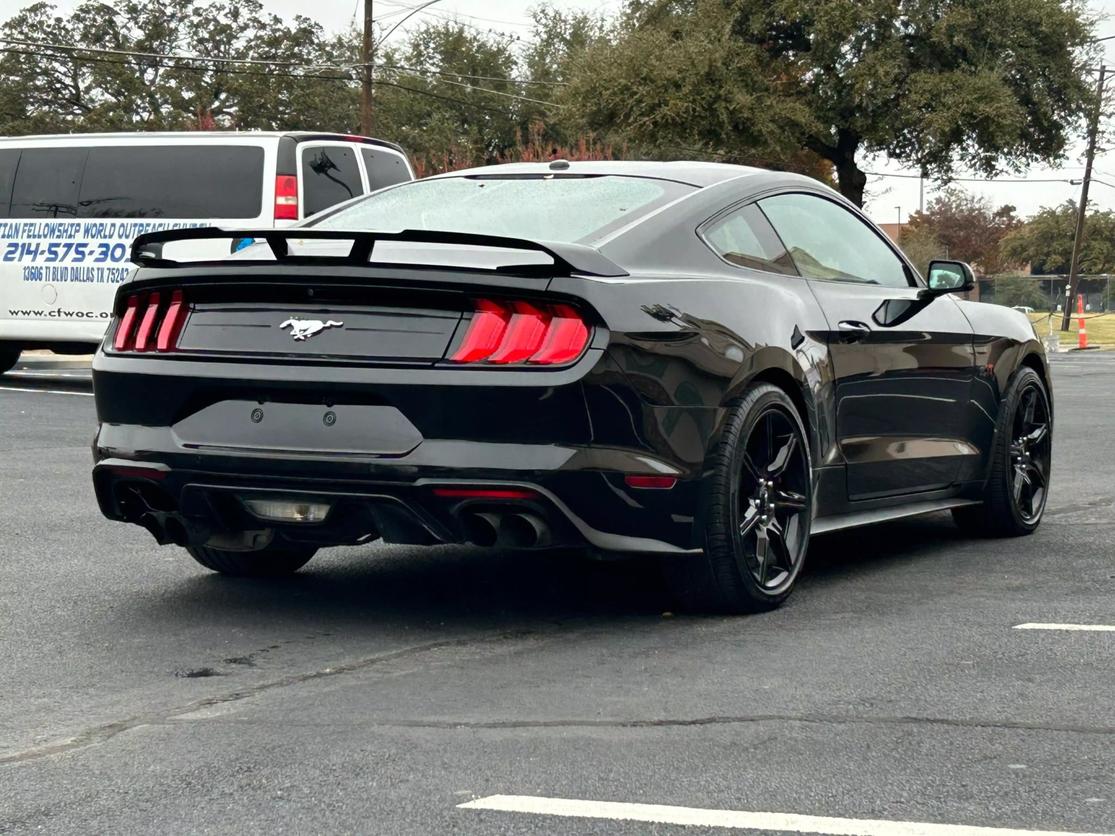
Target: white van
point(70, 206)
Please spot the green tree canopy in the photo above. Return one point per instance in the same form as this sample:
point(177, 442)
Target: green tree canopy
point(1045, 241)
point(987, 84)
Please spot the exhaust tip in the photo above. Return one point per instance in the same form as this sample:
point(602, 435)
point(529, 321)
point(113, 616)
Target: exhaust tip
point(481, 529)
point(523, 531)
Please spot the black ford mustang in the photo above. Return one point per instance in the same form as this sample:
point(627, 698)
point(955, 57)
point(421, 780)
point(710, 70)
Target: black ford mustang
point(704, 363)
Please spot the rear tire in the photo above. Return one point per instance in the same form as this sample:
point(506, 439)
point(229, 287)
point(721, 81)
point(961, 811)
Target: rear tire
point(9, 356)
point(757, 514)
point(270, 562)
point(1018, 487)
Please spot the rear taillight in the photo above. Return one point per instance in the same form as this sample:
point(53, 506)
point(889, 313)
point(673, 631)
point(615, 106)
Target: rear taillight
point(286, 198)
point(151, 322)
point(517, 333)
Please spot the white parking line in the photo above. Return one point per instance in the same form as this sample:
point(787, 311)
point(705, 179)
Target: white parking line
point(1080, 628)
point(44, 391)
point(740, 819)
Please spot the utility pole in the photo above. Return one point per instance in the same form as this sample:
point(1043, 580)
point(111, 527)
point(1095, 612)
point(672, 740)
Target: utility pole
point(1082, 210)
point(367, 51)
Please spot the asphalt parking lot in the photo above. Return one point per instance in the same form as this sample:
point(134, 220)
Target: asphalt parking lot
point(383, 687)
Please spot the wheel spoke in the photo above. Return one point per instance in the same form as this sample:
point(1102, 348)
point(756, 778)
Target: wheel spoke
point(750, 466)
point(780, 547)
point(768, 430)
point(1038, 435)
point(762, 554)
point(790, 500)
point(749, 521)
point(1020, 481)
point(1036, 478)
point(784, 457)
point(1028, 408)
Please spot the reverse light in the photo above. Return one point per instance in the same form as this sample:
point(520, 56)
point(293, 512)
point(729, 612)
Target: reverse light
point(518, 332)
point(289, 511)
point(286, 198)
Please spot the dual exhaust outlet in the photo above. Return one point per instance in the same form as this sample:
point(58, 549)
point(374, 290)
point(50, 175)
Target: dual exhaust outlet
point(511, 530)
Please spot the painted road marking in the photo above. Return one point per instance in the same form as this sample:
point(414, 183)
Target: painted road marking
point(1080, 628)
point(44, 391)
point(740, 819)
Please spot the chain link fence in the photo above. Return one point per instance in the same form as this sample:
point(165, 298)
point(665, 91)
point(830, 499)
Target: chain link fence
point(1047, 293)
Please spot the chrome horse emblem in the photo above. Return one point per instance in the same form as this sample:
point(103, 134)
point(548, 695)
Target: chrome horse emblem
point(303, 329)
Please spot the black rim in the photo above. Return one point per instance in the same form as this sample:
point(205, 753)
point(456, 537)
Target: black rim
point(1029, 454)
point(773, 501)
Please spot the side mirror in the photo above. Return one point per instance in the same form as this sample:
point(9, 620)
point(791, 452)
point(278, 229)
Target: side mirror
point(949, 277)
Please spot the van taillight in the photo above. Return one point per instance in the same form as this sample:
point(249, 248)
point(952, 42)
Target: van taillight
point(151, 322)
point(517, 333)
point(286, 198)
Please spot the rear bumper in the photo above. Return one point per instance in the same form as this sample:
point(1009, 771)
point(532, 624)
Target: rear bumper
point(191, 499)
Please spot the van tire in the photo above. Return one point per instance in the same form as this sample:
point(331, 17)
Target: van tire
point(9, 356)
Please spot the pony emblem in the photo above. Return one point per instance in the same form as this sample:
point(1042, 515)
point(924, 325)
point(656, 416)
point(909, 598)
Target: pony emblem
point(303, 329)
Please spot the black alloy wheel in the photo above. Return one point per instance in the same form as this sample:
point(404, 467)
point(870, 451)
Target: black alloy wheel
point(1030, 451)
point(772, 501)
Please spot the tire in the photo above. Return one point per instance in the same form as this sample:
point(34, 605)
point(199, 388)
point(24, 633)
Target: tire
point(9, 356)
point(759, 488)
point(1018, 486)
point(270, 562)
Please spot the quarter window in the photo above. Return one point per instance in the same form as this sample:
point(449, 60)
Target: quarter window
point(745, 238)
point(826, 241)
point(46, 183)
point(384, 168)
point(329, 175)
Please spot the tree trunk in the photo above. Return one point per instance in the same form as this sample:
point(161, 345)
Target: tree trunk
point(851, 180)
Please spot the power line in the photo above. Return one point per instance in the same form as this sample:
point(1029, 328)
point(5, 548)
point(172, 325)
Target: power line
point(493, 92)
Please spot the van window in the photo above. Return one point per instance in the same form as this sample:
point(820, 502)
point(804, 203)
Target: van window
point(329, 175)
point(384, 168)
point(46, 182)
point(173, 181)
point(9, 158)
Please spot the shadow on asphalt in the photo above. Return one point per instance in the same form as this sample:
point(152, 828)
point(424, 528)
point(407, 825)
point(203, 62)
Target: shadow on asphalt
point(473, 587)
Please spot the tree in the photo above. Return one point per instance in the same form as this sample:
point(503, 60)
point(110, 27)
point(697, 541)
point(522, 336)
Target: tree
point(50, 88)
point(987, 84)
point(921, 246)
point(968, 229)
point(1022, 291)
point(1045, 241)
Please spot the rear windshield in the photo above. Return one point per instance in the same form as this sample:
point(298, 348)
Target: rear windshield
point(562, 208)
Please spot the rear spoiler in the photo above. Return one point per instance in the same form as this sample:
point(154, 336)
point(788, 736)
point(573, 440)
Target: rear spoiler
point(568, 258)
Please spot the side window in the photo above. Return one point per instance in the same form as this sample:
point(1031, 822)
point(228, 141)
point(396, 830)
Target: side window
point(384, 168)
point(826, 241)
point(47, 181)
point(173, 181)
point(744, 237)
point(329, 175)
point(9, 159)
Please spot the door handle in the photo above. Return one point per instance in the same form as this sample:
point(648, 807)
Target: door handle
point(853, 331)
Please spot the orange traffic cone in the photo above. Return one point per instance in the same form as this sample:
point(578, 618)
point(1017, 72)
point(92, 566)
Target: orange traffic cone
point(1082, 331)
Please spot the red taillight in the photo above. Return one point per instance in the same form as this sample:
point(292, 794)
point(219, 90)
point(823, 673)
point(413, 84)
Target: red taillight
point(661, 483)
point(173, 321)
point(147, 324)
point(157, 329)
point(123, 339)
point(286, 198)
point(485, 493)
point(520, 332)
point(484, 332)
point(524, 336)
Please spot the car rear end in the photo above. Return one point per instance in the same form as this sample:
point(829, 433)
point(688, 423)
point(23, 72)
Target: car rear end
point(323, 400)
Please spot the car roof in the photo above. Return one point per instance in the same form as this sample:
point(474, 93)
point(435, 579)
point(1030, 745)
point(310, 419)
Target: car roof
point(698, 174)
point(299, 136)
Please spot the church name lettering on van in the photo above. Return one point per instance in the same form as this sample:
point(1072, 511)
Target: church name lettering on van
point(74, 251)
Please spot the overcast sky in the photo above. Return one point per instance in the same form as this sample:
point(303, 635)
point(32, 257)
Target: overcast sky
point(885, 194)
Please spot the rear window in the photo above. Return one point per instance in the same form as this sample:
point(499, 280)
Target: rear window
point(384, 168)
point(46, 182)
point(9, 157)
point(329, 175)
point(549, 208)
point(173, 181)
